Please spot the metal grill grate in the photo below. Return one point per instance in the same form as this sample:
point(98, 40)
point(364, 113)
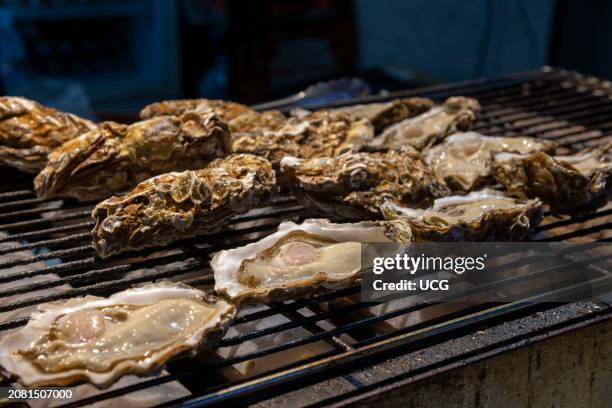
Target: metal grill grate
point(45, 255)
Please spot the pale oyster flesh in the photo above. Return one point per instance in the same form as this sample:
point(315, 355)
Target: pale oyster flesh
point(485, 215)
point(101, 339)
point(462, 160)
point(573, 185)
point(455, 115)
point(29, 131)
point(174, 206)
point(354, 185)
point(315, 256)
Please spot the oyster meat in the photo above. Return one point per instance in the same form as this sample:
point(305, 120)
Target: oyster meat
point(485, 215)
point(455, 115)
point(383, 115)
point(354, 185)
point(313, 257)
point(101, 339)
point(462, 160)
point(574, 185)
point(317, 134)
point(174, 206)
point(29, 131)
point(113, 158)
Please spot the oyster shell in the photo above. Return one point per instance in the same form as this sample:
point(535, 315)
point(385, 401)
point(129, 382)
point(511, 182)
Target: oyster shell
point(354, 185)
point(383, 115)
point(462, 160)
point(485, 215)
point(114, 157)
point(174, 206)
point(313, 257)
point(101, 339)
point(29, 131)
point(225, 109)
point(572, 185)
point(455, 115)
point(318, 134)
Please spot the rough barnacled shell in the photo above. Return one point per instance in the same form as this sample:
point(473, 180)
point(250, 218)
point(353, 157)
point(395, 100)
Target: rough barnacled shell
point(225, 109)
point(114, 157)
point(257, 122)
point(312, 257)
point(354, 185)
point(383, 115)
point(174, 206)
point(462, 160)
point(29, 131)
point(101, 339)
point(485, 215)
point(455, 115)
point(318, 134)
point(572, 185)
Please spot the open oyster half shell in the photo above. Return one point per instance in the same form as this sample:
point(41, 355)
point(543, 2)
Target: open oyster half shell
point(573, 185)
point(297, 260)
point(485, 215)
point(174, 206)
point(354, 185)
point(99, 339)
point(29, 131)
point(462, 160)
point(456, 114)
point(115, 157)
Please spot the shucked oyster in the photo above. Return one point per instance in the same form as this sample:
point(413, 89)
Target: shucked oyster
point(572, 185)
point(485, 215)
point(101, 339)
point(462, 160)
point(354, 185)
point(383, 115)
point(114, 157)
point(173, 206)
point(455, 115)
point(29, 131)
point(312, 257)
point(318, 134)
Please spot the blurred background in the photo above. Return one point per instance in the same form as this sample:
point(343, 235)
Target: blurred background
point(107, 58)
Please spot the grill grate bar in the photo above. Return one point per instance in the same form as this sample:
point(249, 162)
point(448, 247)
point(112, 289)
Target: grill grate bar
point(47, 243)
point(48, 231)
point(44, 221)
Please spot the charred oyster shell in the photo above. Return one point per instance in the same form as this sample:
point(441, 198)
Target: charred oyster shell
point(573, 185)
point(101, 339)
point(29, 131)
point(313, 257)
point(174, 206)
point(455, 115)
point(114, 157)
point(354, 185)
point(485, 215)
point(318, 134)
point(383, 115)
point(462, 160)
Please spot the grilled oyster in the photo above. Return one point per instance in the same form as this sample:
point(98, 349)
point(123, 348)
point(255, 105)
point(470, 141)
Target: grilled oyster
point(114, 157)
point(101, 339)
point(383, 115)
point(354, 185)
point(485, 215)
point(572, 185)
point(173, 206)
point(29, 131)
point(318, 134)
point(312, 257)
point(225, 109)
point(462, 160)
point(455, 115)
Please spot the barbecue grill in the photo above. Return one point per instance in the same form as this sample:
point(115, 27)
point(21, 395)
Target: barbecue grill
point(337, 350)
